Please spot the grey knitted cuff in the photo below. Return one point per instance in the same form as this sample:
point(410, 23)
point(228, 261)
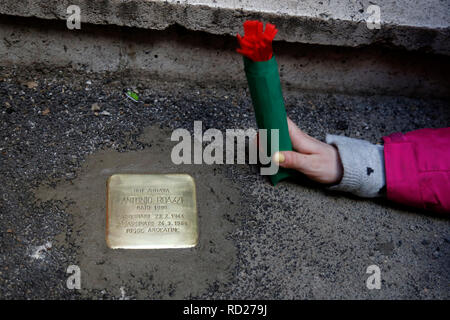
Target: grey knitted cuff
point(363, 164)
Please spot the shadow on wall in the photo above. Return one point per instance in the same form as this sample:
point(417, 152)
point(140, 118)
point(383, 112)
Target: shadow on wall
point(199, 57)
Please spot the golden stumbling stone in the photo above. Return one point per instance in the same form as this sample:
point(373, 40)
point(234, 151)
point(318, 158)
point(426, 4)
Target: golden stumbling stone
point(151, 211)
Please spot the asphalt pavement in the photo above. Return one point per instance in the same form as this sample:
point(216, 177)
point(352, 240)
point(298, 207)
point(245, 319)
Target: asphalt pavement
point(63, 132)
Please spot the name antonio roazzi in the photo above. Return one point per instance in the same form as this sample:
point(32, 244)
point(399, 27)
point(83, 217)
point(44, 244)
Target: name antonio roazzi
point(142, 200)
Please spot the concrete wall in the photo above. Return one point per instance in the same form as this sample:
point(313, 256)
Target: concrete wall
point(409, 24)
point(179, 54)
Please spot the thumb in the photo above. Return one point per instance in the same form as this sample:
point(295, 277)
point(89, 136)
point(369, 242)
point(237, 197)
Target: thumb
point(292, 160)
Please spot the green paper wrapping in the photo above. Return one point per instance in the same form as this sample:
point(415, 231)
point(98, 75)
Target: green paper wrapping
point(265, 90)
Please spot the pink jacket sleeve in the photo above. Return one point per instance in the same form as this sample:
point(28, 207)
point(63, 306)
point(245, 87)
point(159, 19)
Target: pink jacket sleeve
point(418, 168)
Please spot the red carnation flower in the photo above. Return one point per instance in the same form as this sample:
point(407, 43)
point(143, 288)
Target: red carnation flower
point(256, 43)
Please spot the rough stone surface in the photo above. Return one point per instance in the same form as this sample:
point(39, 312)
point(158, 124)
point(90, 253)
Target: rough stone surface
point(177, 53)
point(256, 241)
point(414, 25)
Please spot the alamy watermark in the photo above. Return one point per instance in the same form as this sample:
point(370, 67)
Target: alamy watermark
point(374, 280)
point(192, 152)
point(74, 17)
point(374, 20)
point(74, 280)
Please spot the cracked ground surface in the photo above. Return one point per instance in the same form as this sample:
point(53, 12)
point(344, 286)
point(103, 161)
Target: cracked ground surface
point(256, 241)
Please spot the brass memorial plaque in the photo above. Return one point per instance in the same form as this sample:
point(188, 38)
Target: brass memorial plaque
point(151, 211)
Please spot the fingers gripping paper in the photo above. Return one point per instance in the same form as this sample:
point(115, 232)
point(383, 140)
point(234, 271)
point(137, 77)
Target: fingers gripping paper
point(261, 70)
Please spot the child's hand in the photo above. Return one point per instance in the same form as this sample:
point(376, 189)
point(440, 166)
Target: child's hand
point(317, 160)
